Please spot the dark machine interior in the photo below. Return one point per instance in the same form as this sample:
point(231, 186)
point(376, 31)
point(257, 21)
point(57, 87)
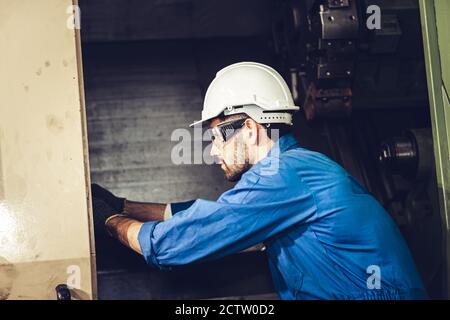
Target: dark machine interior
point(363, 93)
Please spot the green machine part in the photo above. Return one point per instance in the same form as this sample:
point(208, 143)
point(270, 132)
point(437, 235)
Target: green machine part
point(436, 37)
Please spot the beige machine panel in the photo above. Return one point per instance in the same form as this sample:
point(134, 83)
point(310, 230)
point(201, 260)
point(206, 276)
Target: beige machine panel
point(44, 220)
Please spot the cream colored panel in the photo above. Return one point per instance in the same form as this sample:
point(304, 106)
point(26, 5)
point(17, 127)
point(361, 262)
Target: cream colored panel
point(44, 224)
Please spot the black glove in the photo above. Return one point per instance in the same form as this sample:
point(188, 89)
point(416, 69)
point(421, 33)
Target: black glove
point(111, 200)
point(102, 211)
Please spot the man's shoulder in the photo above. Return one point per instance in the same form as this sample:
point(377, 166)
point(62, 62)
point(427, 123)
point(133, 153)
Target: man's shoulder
point(302, 159)
point(297, 169)
point(275, 169)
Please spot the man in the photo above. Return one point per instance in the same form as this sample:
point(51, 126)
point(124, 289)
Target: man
point(325, 236)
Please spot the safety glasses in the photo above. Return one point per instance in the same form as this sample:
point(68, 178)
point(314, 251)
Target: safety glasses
point(224, 131)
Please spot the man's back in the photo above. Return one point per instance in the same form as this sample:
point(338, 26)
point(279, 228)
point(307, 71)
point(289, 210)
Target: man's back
point(349, 249)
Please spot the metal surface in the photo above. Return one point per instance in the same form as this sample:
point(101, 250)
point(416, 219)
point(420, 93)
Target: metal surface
point(243, 274)
point(399, 155)
point(334, 102)
point(44, 222)
point(436, 36)
point(138, 97)
point(136, 20)
point(410, 154)
point(442, 10)
point(338, 21)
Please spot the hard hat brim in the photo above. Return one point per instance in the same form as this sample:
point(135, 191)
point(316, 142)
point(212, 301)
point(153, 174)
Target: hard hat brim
point(196, 123)
point(203, 122)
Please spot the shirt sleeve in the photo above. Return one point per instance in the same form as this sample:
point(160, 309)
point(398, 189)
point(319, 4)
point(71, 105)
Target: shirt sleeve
point(174, 207)
point(256, 209)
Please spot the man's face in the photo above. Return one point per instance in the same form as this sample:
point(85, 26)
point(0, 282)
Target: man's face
point(232, 155)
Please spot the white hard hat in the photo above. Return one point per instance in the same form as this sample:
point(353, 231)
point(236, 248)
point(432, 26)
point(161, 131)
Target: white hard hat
point(251, 88)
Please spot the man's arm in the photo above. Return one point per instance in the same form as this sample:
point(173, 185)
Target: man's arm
point(142, 211)
point(242, 217)
point(145, 211)
point(126, 230)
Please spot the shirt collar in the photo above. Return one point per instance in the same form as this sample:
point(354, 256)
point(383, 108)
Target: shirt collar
point(284, 143)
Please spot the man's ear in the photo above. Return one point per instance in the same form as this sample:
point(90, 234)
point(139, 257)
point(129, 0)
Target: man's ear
point(252, 131)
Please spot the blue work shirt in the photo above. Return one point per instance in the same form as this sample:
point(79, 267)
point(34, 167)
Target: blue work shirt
point(326, 237)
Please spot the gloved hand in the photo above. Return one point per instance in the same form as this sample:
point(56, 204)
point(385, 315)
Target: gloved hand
point(110, 199)
point(102, 211)
point(102, 214)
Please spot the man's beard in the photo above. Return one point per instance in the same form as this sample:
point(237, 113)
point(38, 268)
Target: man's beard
point(240, 165)
point(234, 172)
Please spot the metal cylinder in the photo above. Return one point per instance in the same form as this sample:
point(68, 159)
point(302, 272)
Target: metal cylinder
point(410, 155)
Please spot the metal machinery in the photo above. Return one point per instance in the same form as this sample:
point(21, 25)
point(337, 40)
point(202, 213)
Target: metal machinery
point(337, 64)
